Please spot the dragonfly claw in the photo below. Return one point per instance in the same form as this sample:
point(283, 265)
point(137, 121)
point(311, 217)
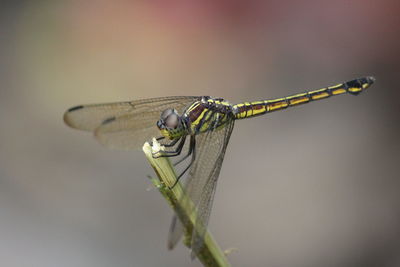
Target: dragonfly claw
point(156, 155)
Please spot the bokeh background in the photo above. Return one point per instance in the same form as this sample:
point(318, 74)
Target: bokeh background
point(317, 185)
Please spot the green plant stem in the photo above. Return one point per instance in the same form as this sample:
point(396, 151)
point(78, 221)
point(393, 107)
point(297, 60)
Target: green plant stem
point(210, 254)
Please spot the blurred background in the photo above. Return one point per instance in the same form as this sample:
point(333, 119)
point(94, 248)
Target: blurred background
point(317, 185)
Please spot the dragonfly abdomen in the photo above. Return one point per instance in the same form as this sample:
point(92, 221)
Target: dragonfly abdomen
point(252, 109)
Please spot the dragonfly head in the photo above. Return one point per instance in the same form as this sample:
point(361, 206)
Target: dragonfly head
point(170, 124)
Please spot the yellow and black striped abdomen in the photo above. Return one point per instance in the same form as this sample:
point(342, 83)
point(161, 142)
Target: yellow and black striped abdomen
point(256, 108)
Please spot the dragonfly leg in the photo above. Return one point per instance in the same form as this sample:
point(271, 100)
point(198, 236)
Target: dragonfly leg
point(172, 143)
point(158, 139)
point(166, 145)
point(192, 151)
point(184, 157)
point(175, 152)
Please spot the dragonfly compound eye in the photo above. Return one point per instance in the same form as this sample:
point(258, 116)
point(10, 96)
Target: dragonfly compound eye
point(169, 119)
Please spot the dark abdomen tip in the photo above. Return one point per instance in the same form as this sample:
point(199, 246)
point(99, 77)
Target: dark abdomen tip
point(356, 86)
point(371, 79)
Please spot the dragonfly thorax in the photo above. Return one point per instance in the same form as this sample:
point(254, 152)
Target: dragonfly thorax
point(171, 125)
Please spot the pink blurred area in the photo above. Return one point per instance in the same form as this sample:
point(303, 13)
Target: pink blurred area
point(314, 186)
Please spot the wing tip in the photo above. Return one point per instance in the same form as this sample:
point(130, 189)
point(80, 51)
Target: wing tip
point(170, 245)
point(67, 116)
point(67, 119)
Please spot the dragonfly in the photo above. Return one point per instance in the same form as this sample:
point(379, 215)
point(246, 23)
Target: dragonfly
point(204, 123)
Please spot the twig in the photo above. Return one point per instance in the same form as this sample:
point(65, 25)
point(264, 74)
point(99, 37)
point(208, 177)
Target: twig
point(210, 254)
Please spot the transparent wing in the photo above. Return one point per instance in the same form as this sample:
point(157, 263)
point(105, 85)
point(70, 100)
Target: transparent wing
point(206, 197)
point(124, 125)
point(201, 182)
point(128, 132)
point(175, 232)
